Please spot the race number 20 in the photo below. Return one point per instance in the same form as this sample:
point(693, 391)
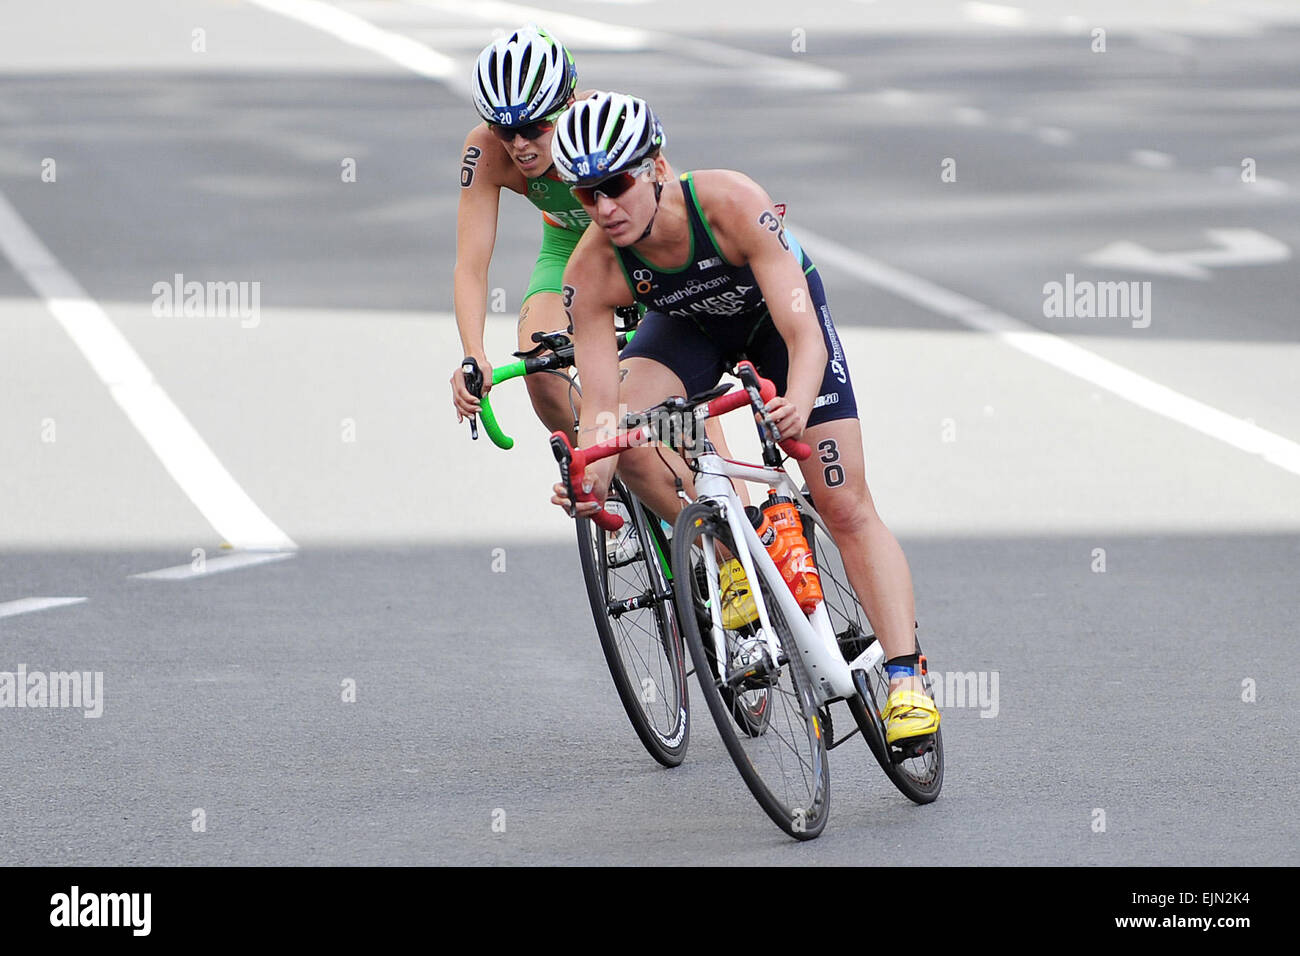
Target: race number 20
point(469, 162)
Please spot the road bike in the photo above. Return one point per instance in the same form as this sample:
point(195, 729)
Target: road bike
point(798, 664)
point(626, 572)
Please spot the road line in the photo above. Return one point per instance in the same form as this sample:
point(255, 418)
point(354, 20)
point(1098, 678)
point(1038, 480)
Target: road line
point(996, 14)
point(180, 448)
point(28, 605)
point(217, 565)
point(574, 30)
point(360, 32)
point(1151, 158)
point(569, 28)
point(1054, 350)
point(1054, 135)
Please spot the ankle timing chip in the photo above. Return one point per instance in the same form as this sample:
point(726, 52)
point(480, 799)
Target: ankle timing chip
point(902, 666)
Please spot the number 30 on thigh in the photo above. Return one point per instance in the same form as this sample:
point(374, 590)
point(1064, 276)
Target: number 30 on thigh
point(837, 461)
point(828, 453)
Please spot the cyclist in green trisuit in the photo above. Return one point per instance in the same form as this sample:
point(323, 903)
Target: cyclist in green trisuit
point(710, 258)
point(521, 84)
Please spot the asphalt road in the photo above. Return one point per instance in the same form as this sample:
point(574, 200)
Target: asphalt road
point(1102, 513)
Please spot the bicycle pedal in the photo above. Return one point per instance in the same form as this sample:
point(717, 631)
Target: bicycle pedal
point(913, 747)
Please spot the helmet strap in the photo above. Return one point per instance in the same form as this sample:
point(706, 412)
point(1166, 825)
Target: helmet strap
point(659, 188)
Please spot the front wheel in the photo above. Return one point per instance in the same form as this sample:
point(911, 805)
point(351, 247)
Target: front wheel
point(631, 602)
point(782, 759)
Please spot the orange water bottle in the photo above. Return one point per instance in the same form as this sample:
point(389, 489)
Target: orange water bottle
point(779, 528)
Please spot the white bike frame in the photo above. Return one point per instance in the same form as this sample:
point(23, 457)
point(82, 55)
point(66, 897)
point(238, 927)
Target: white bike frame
point(814, 635)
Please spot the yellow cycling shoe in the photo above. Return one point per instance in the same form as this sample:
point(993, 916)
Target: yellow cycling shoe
point(908, 714)
point(738, 607)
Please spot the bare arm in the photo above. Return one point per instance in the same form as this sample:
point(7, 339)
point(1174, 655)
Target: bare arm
point(593, 288)
point(751, 232)
point(481, 179)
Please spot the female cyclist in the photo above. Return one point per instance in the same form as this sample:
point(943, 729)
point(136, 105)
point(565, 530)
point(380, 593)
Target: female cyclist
point(521, 84)
point(707, 254)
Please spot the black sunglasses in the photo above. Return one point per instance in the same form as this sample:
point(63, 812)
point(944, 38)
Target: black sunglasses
point(532, 131)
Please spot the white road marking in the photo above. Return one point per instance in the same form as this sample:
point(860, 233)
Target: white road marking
point(971, 116)
point(996, 14)
point(224, 562)
point(359, 32)
point(1237, 247)
point(27, 605)
point(1054, 135)
point(896, 98)
point(1056, 351)
point(571, 29)
point(1151, 158)
point(793, 73)
point(162, 425)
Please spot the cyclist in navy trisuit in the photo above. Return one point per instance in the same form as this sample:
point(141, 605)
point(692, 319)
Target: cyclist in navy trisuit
point(708, 255)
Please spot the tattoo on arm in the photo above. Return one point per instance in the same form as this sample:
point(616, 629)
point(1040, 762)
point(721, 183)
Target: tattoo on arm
point(772, 224)
point(470, 161)
point(568, 292)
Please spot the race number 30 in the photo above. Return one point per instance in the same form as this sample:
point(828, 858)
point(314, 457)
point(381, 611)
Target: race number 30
point(830, 455)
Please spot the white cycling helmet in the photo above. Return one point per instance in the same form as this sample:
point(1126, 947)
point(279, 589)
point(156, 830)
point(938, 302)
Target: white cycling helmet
point(522, 78)
point(603, 135)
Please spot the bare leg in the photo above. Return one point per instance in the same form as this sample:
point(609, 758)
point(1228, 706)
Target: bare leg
point(544, 312)
point(874, 561)
point(650, 471)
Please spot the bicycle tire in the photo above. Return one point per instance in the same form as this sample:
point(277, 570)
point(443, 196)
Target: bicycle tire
point(918, 778)
point(642, 646)
point(785, 767)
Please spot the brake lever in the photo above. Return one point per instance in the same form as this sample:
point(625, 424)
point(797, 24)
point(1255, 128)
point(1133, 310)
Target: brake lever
point(765, 420)
point(750, 383)
point(564, 455)
point(474, 383)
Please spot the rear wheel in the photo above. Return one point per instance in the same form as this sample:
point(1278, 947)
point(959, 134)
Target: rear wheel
point(632, 604)
point(784, 764)
point(917, 771)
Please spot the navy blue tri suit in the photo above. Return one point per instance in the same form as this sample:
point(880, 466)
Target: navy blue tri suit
point(706, 315)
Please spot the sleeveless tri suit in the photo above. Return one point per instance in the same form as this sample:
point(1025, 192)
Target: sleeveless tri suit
point(563, 223)
point(707, 314)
